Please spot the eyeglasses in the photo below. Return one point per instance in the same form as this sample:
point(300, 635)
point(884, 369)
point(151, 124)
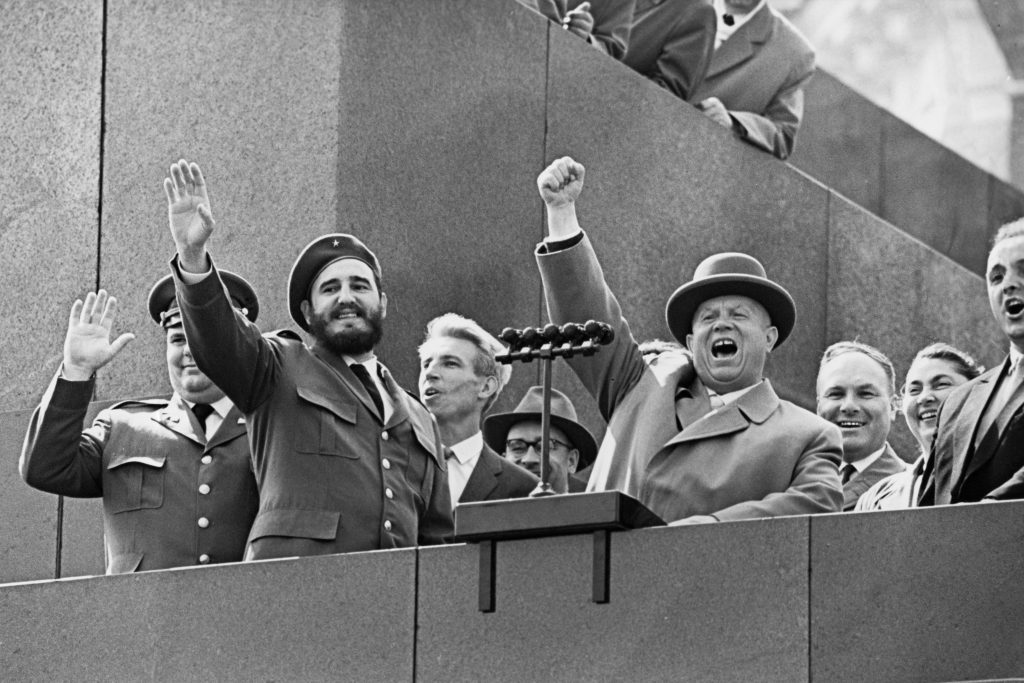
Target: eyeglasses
point(519, 447)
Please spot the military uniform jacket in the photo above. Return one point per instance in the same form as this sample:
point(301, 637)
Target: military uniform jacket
point(759, 456)
point(332, 476)
point(169, 497)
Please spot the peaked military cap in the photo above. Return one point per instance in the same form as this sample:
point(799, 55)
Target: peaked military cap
point(163, 305)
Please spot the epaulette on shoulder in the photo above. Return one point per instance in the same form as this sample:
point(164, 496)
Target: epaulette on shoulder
point(285, 333)
point(138, 405)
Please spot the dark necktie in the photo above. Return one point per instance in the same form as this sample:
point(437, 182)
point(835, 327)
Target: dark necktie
point(360, 371)
point(202, 411)
point(847, 473)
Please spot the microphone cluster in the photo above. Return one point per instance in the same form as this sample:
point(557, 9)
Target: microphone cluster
point(552, 341)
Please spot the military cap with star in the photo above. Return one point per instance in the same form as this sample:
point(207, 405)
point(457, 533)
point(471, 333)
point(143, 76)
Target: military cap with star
point(316, 256)
point(163, 305)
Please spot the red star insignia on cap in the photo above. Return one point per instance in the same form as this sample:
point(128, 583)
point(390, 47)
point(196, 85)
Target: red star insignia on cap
point(335, 243)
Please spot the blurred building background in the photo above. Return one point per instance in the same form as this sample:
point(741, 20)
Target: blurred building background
point(944, 66)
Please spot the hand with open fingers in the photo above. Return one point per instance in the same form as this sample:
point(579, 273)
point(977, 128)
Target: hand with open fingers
point(579, 21)
point(561, 182)
point(716, 111)
point(188, 208)
point(87, 346)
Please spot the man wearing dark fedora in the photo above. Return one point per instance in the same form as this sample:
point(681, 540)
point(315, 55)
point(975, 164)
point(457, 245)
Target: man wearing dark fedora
point(695, 441)
point(175, 474)
point(345, 459)
point(518, 436)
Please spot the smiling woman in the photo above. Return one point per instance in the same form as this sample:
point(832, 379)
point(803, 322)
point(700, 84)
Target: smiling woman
point(937, 370)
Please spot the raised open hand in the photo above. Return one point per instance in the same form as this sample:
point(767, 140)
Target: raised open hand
point(188, 211)
point(87, 346)
point(561, 182)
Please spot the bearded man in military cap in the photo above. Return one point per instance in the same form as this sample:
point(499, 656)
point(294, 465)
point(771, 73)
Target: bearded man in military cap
point(175, 474)
point(697, 437)
point(345, 459)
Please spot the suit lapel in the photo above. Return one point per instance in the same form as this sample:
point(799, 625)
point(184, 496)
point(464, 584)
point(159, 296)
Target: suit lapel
point(740, 45)
point(484, 477)
point(967, 424)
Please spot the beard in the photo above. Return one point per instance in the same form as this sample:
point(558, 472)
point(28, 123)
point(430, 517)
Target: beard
point(348, 342)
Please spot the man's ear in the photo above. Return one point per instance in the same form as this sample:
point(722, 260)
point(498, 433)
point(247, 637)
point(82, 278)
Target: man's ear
point(305, 308)
point(689, 343)
point(488, 388)
point(573, 460)
point(772, 334)
point(383, 305)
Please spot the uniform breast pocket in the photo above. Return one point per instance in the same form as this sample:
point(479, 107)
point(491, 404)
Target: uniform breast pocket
point(134, 482)
point(327, 425)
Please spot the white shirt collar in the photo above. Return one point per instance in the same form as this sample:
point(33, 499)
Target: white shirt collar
point(864, 463)
point(221, 406)
point(732, 395)
point(468, 450)
point(723, 32)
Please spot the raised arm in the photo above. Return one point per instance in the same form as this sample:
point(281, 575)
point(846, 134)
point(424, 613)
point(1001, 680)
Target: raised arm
point(227, 348)
point(57, 455)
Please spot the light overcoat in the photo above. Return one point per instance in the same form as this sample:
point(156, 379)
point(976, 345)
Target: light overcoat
point(759, 456)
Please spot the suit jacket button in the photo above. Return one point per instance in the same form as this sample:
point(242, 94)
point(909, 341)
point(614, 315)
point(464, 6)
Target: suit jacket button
point(203, 522)
point(204, 559)
point(387, 524)
point(389, 493)
point(386, 463)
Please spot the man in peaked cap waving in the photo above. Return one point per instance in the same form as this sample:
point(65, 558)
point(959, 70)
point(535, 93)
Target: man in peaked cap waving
point(702, 440)
point(345, 460)
point(175, 474)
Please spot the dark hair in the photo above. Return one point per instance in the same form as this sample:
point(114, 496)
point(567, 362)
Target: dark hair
point(961, 361)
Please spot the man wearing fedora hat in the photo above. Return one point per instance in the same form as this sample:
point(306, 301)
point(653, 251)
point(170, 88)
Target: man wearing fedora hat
point(345, 459)
point(699, 440)
point(518, 435)
point(175, 474)
point(459, 380)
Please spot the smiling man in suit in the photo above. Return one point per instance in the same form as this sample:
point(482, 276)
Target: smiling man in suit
point(755, 81)
point(856, 389)
point(345, 460)
point(978, 452)
point(695, 442)
point(459, 380)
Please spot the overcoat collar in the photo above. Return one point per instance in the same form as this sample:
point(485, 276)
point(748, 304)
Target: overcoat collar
point(755, 406)
point(740, 45)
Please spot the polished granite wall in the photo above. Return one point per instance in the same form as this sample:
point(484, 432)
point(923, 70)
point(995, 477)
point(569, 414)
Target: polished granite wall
point(420, 127)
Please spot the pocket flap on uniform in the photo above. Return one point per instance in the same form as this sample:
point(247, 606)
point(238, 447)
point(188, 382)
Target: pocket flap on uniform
point(345, 411)
point(319, 524)
point(119, 459)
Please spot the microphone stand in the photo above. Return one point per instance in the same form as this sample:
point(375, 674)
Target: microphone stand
point(547, 344)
